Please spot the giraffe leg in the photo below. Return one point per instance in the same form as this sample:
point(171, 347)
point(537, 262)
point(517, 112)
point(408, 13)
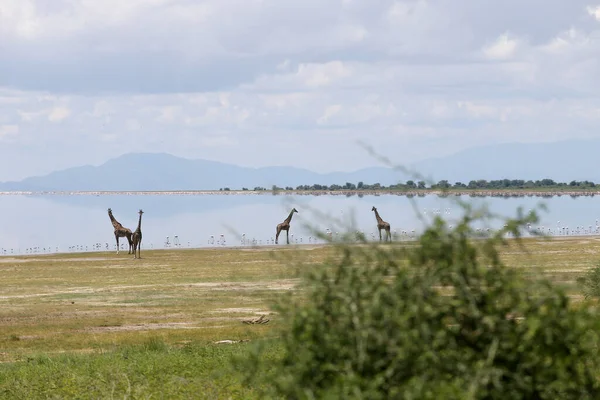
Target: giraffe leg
point(117, 237)
point(277, 235)
point(287, 235)
point(379, 234)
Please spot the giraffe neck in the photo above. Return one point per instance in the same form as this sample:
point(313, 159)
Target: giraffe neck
point(289, 218)
point(139, 227)
point(113, 220)
point(378, 217)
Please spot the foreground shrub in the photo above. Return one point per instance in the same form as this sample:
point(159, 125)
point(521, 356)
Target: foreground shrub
point(443, 319)
point(590, 283)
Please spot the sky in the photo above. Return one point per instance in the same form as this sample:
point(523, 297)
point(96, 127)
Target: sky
point(290, 82)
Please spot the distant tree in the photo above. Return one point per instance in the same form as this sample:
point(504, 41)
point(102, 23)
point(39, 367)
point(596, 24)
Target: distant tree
point(547, 182)
point(473, 184)
point(244, 188)
point(443, 184)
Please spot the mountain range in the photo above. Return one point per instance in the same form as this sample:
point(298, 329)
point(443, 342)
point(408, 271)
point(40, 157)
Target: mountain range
point(562, 161)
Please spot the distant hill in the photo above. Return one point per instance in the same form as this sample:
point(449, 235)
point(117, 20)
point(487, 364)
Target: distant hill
point(160, 171)
point(561, 161)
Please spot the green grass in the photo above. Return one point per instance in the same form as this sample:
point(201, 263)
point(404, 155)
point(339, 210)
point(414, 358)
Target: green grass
point(101, 325)
point(151, 369)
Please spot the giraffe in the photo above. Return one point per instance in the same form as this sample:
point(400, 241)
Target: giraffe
point(381, 224)
point(137, 238)
point(120, 231)
point(285, 226)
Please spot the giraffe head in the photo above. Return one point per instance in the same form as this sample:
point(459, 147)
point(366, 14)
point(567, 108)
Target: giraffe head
point(140, 212)
point(110, 210)
point(294, 210)
point(373, 209)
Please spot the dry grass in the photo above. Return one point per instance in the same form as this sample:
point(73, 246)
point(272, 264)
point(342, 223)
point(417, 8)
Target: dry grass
point(93, 302)
point(561, 260)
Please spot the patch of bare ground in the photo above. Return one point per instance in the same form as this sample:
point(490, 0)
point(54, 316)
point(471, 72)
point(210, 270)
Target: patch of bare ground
point(144, 327)
point(292, 247)
point(237, 310)
point(232, 286)
point(29, 337)
point(235, 286)
point(10, 260)
point(53, 259)
point(555, 271)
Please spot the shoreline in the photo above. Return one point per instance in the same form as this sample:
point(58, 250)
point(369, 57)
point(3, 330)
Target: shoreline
point(360, 193)
point(109, 254)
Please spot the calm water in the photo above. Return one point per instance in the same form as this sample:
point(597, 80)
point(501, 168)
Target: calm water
point(80, 223)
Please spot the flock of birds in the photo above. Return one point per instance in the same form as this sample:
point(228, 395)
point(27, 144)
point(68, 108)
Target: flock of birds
point(220, 240)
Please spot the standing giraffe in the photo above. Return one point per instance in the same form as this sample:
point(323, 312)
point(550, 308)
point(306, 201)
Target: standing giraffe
point(120, 231)
point(285, 226)
point(137, 238)
point(381, 224)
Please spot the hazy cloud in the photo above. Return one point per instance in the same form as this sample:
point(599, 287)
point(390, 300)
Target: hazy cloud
point(8, 130)
point(290, 82)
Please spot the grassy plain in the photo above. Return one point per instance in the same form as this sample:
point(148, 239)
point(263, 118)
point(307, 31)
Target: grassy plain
point(101, 325)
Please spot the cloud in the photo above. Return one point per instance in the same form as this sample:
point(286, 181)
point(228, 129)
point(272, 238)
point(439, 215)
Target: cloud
point(58, 114)
point(594, 11)
point(329, 112)
point(567, 41)
point(169, 114)
point(238, 80)
point(132, 124)
point(322, 75)
point(8, 130)
point(502, 49)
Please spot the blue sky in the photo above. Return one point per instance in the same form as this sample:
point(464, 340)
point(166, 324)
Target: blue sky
point(290, 82)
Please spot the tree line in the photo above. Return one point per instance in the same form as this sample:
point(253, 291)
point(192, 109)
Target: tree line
point(480, 184)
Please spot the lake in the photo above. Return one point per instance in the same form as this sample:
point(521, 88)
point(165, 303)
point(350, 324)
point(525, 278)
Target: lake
point(64, 223)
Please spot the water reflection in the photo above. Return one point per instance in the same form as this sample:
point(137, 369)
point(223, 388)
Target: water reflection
point(81, 223)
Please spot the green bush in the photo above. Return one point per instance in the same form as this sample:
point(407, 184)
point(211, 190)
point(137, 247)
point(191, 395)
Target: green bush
point(590, 283)
point(444, 319)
